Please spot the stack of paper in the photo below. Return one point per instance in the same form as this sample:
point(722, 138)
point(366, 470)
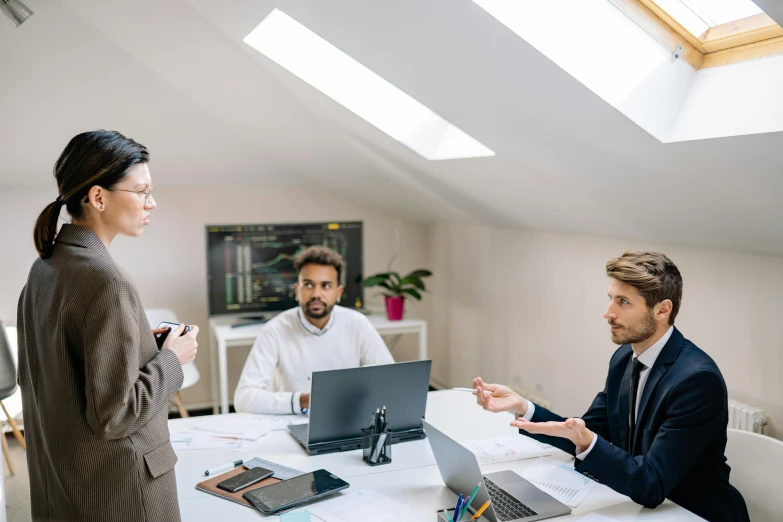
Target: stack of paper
point(506, 449)
point(363, 506)
point(560, 480)
point(231, 432)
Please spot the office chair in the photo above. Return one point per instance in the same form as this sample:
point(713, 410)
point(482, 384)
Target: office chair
point(155, 316)
point(755, 462)
point(7, 389)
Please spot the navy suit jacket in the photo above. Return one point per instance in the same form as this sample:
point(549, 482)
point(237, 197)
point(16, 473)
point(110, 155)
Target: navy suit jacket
point(680, 438)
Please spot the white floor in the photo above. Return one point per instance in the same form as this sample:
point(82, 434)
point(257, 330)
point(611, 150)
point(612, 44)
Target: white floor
point(17, 487)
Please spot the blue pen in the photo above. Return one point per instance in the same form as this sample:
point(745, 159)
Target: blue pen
point(456, 509)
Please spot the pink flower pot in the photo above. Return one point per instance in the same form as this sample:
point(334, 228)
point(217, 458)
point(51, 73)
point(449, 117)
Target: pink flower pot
point(395, 308)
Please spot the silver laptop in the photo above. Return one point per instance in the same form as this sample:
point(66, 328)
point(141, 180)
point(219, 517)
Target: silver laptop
point(513, 498)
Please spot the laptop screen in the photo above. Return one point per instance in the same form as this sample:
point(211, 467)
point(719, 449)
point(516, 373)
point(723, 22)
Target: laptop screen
point(343, 401)
point(458, 467)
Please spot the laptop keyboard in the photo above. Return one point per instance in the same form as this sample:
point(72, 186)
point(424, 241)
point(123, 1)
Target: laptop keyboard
point(507, 507)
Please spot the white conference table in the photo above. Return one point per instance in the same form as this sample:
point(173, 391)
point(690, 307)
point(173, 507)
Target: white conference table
point(412, 478)
point(225, 335)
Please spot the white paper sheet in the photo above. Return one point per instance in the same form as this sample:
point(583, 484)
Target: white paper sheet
point(363, 506)
point(560, 480)
point(506, 449)
point(205, 441)
point(245, 426)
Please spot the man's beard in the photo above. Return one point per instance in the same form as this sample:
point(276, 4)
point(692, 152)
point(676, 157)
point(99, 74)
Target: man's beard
point(325, 311)
point(637, 334)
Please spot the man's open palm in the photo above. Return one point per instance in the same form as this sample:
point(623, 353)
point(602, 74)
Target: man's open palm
point(496, 397)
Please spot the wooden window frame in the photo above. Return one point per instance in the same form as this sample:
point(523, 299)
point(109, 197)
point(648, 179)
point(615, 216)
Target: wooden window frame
point(733, 42)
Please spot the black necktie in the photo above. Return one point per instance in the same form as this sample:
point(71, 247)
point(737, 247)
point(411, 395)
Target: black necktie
point(638, 366)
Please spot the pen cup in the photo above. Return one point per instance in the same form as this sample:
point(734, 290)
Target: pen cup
point(376, 447)
point(447, 515)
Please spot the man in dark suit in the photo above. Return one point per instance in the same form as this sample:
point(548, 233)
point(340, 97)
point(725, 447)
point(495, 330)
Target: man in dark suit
point(658, 429)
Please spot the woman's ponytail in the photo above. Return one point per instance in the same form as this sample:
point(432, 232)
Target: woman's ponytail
point(46, 228)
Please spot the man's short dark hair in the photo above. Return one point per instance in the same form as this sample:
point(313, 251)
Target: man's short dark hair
point(318, 255)
point(654, 275)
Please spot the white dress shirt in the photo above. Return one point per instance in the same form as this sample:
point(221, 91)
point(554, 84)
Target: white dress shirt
point(289, 349)
point(648, 359)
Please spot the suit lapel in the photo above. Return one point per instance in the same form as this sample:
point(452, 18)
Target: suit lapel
point(623, 405)
point(666, 358)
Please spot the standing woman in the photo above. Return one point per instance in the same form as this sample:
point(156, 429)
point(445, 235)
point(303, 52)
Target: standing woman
point(95, 386)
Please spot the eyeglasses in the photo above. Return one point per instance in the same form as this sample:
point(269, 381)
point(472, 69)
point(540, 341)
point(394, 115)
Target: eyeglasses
point(147, 192)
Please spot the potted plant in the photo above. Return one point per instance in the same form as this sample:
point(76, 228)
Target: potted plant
point(397, 289)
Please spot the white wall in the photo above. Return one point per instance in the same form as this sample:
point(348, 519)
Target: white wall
point(525, 309)
point(603, 48)
point(168, 262)
point(600, 46)
point(733, 100)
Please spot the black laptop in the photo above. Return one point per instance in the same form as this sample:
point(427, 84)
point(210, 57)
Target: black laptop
point(342, 402)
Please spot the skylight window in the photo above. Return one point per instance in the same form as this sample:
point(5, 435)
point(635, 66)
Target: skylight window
point(697, 16)
point(325, 67)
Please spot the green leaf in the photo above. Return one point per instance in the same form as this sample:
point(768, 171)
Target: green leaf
point(375, 280)
point(413, 293)
point(419, 273)
point(415, 281)
point(395, 277)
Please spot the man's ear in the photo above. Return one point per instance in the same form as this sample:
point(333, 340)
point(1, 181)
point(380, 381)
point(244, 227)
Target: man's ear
point(664, 309)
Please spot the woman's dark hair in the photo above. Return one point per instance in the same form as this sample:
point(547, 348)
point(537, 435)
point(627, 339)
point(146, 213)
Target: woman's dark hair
point(92, 158)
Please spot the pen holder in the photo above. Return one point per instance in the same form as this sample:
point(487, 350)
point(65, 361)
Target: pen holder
point(447, 515)
point(376, 447)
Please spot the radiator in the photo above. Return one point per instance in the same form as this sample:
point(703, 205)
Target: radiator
point(746, 418)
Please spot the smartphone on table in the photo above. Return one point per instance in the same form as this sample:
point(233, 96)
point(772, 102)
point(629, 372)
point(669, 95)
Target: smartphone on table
point(243, 480)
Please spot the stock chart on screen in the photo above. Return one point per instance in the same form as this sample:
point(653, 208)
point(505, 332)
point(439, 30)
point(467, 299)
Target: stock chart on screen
point(251, 267)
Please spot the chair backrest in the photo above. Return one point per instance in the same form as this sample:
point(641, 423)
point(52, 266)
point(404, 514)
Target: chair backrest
point(756, 461)
point(7, 366)
point(155, 316)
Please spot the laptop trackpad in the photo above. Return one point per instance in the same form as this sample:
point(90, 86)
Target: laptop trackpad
point(501, 478)
point(527, 493)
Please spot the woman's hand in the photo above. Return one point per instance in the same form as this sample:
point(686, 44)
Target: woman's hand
point(184, 346)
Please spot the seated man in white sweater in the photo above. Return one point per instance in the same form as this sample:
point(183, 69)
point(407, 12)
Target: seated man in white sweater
point(317, 335)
